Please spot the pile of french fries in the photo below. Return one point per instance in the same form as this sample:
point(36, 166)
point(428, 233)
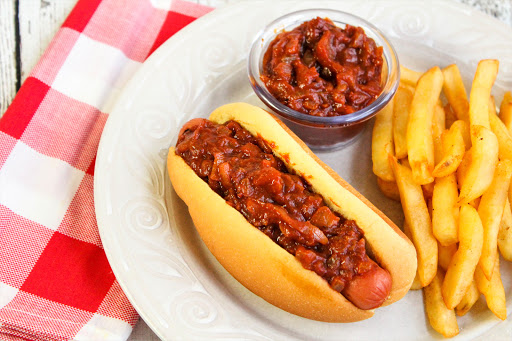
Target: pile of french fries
point(450, 166)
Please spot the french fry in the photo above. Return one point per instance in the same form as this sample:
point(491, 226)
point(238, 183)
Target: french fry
point(405, 162)
point(453, 150)
point(462, 267)
point(428, 190)
point(438, 127)
point(464, 129)
point(485, 75)
point(389, 189)
point(416, 284)
point(417, 217)
point(445, 210)
point(402, 99)
point(442, 319)
point(484, 156)
point(420, 146)
point(439, 121)
point(468, 300)
point(492, 106)
point(451, 167)
point(444, 204)
point(505, 233)
point(463, 169)
point(490, 211)
point(450, 115)
point(445, 255)
point(493, 290)
point(506, 111)
point(475, 202)
point(382, 143)
point(455, 92)
point(408, 76)
point(510, 193)
point(500, 130)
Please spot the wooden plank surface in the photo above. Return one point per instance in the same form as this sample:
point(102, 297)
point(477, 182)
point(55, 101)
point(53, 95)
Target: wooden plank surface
point(38, 22)
point(8, 84)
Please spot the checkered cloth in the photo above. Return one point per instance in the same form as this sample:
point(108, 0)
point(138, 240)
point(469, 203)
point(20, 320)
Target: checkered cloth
point(55, 281)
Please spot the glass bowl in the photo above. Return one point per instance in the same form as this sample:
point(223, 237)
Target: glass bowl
point(323, 133)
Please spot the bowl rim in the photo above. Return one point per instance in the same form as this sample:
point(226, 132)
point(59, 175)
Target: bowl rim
point(389, 55)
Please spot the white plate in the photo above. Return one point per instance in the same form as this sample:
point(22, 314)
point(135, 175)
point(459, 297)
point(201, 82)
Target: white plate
point(171, 278)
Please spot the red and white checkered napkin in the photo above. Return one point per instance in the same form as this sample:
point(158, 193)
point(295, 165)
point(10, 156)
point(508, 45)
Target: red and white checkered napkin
point(55, 281)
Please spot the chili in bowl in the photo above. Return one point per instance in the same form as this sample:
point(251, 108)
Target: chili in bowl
point(325, 73)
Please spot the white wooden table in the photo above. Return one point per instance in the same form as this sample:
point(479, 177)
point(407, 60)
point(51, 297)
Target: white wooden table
point(27, 27)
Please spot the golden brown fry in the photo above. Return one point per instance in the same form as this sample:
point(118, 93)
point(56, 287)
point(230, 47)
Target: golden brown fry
point(493, 290)
point(496, 300)
point(490, 210)
point(408, 76)
point(484, 156)
point(445, 255)
point(485, 75)
point(420, 146)
point(438, 121)
point(444, 199)
point(455, 92)
point(463, 264)
point(405, 162)
point(510, 193)
point(445, 210)
point(428, 190)
point(492, 106)
point(416, 284)
point(464, 167)
point(453, 151)
point(450, 115)
point(464, 129)
point(429, 206)
point(500, 130)
point(438, 150)
point(442, 319)
point(409, 87)
point(475, 202)
point(417, 217)
point(438, 127)
point(382, 143)
point(469, 299)
point(402, 99)
point(506, 111)
point(389, 189)
point(505, 234)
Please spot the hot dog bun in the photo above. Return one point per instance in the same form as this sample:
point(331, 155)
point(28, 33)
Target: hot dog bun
point(264, 267)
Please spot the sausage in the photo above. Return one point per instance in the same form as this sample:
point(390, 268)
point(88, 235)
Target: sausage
point(190, 125)
point(369, 290)
point(263, 266)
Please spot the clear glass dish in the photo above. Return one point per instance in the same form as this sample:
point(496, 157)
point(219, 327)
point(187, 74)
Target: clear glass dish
point(323, 133)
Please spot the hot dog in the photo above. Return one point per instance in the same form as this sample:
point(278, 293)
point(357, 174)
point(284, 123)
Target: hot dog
point(320, 249)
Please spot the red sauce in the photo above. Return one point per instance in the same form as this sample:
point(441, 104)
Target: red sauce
point(242, 169)
point(323, 70)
